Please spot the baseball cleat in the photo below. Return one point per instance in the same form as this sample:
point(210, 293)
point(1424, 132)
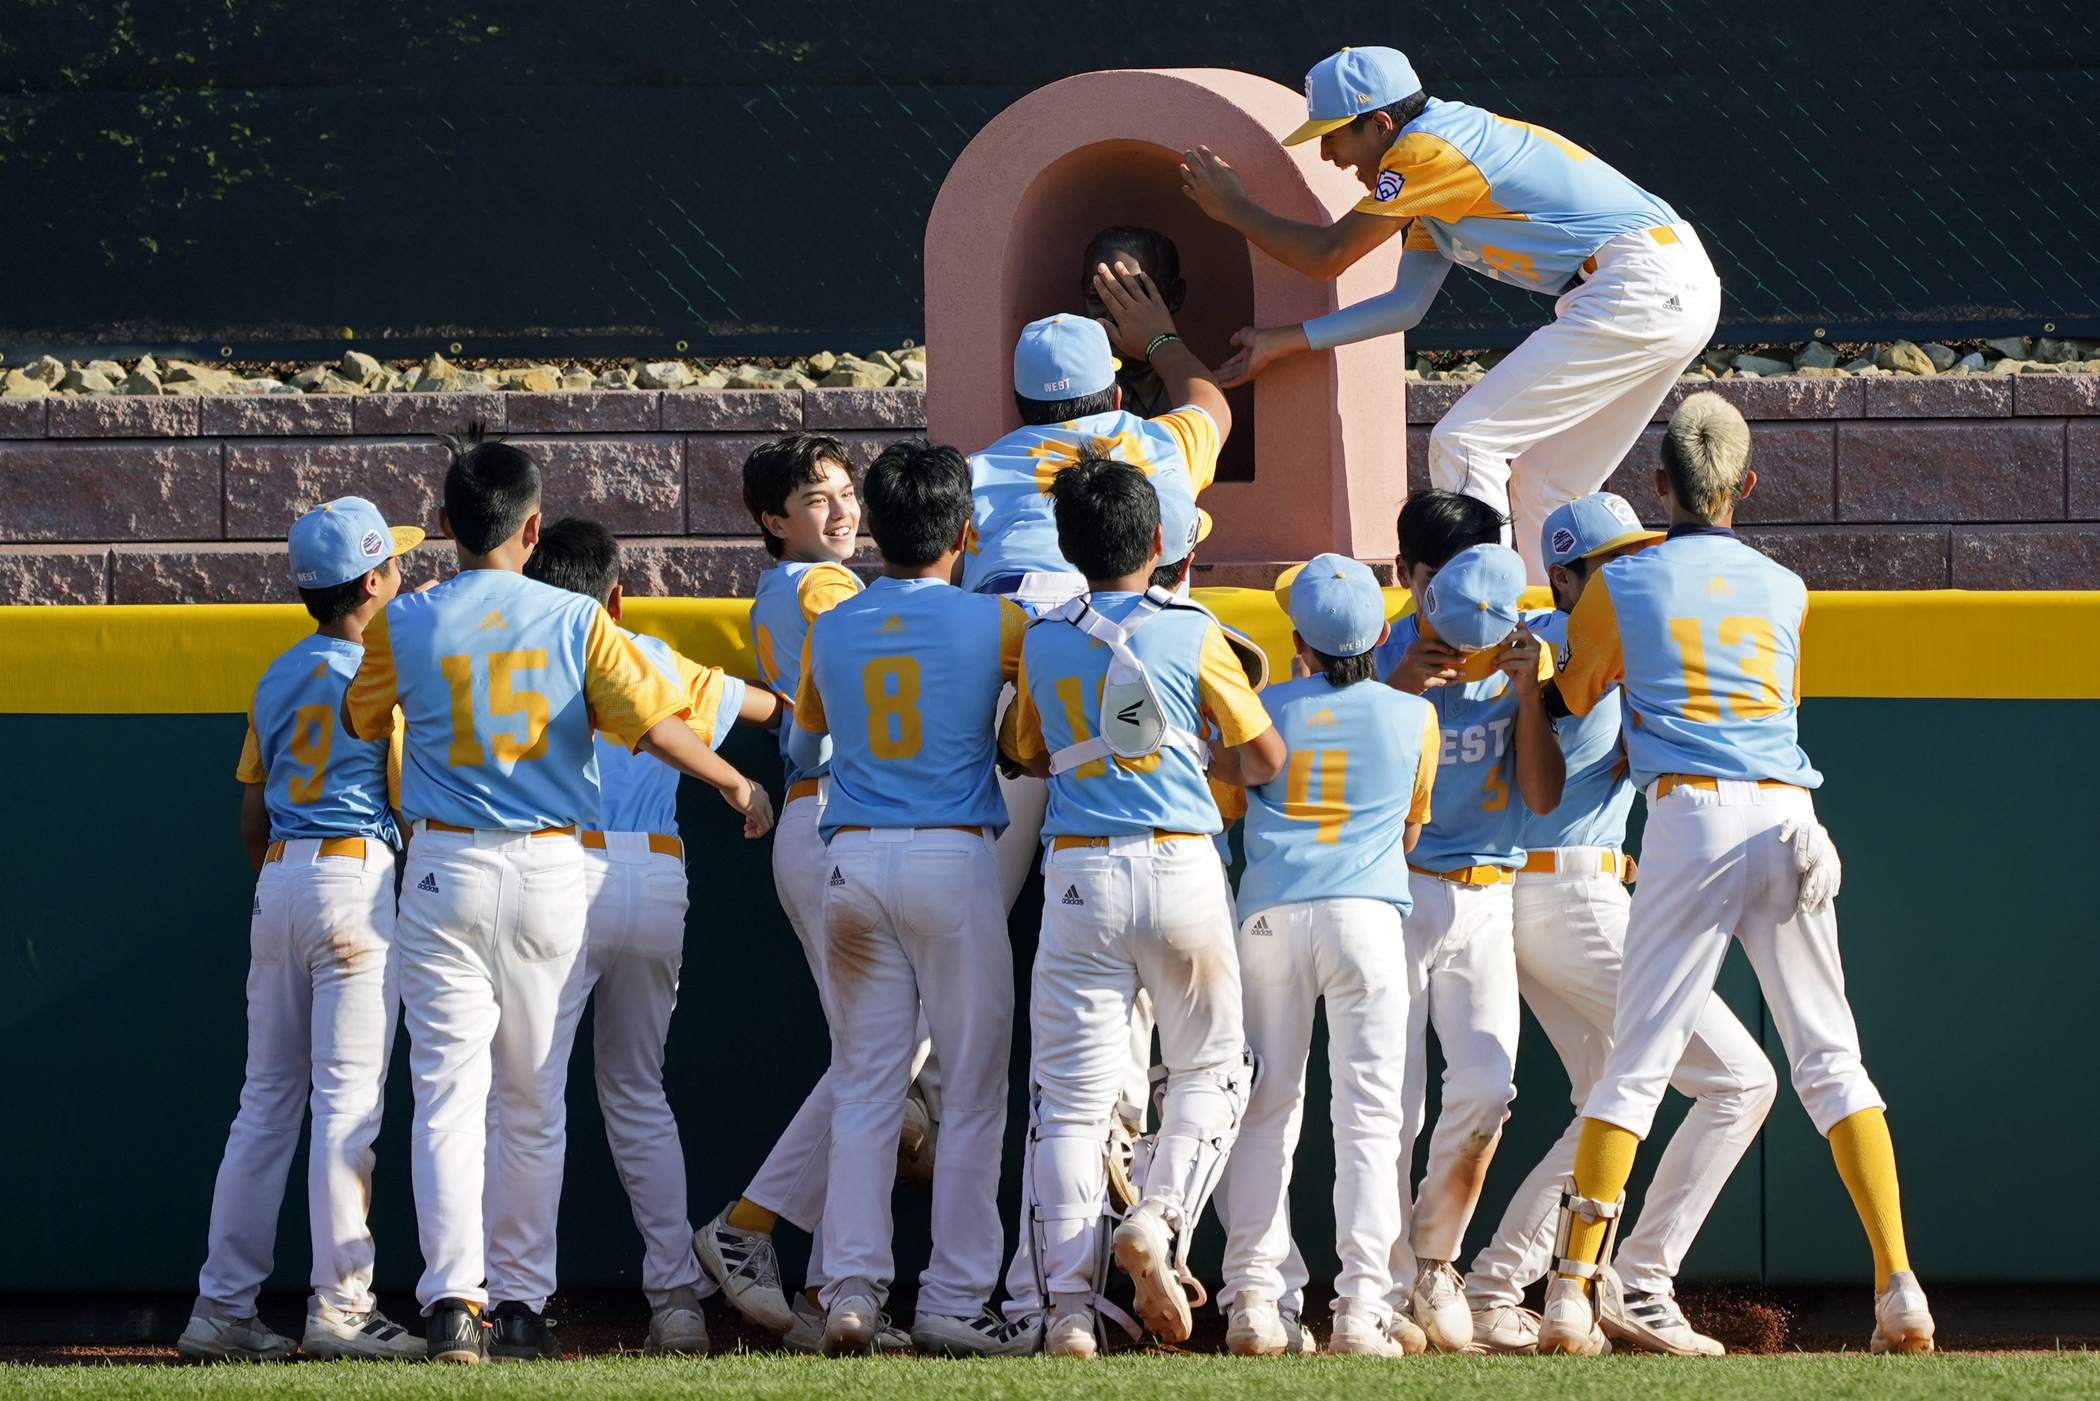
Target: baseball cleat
point(1568, 1323)
point(743, 1263)
point(1506, 1328)
point(517, 1334)
point(1071, 1332)
point(1440, 1309)
point(986, 1335)
point(1298, 1340)
point(1255, 1328)
point(855, 1317)
point(456, 1332)
point(1652, 1323)
point(333, 1333)
point(917, 1139)
point(1902, 1322)
point(1359, 1332)
point(1146, 1252)
point(806, 1333)
point(1403, 1329)
point(210, 1339)
point(677, 1327)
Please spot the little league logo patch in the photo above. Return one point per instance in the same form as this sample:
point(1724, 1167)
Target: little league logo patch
point(1563, 541)
point(1624, 512)
point(372, 544)
point(1389, 183)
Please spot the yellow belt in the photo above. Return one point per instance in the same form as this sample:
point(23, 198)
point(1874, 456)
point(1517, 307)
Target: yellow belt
point(330, 846)
point(1609, 863)
point(1661, 233)
point(436, 826)
point(659, 843)
point(1671, 782)
point(802, 788)
point(1469, 875)
point(1070, 843)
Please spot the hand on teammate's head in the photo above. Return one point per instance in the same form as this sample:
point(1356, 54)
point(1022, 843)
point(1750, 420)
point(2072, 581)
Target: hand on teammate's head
point(1137, 314)
point(1426, 663)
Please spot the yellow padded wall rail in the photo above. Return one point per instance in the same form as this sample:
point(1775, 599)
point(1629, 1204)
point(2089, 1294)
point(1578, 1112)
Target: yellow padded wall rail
point(205, 658)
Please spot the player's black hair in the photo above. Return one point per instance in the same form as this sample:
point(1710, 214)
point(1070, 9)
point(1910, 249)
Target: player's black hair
point(916, 496)
point(1437, 524)
point(1107, 516)
point(1160, 258)
point(338, 601)
point(1040, 413)
point(774, 470)
point(491, 487)
point(1346, 671)
point(1168, 576)
point(1402, 112)
point(579, 555)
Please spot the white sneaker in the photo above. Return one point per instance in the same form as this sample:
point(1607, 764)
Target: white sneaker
point(1358, 1330)
point(806, 1333)
point(1440, 1307)
point(1506, 1328)
point(853, 1321)
point(1145, 1250)
point(1652, 1323)
point(743, 1263)
point(1403, 1329)
point(1071, 1332)
point(1569, 1323)
point(333, 1333)
point(1298, 1340)
point(1255, 1328)
point(1902, 1321)
point(210, 1339)
point(986, 1335)
point(677, 1328)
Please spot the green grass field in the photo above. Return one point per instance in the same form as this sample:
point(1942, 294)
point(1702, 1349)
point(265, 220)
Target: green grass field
point(1123, 1378)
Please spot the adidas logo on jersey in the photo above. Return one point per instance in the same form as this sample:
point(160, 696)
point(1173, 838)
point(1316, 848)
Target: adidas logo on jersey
point(1261, 926)
point(429, 882)
point(494, 620)
point(1071, 896)
point(1718, 585)
point(1676, 303)
point(892, 623)
point(1325, 717)
point(320, 670)
point(836, 877)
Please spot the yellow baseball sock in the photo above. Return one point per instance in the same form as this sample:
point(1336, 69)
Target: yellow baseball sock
point(1866, 1159)
point(748, 1215)
point(1603, 1162)
point(813, 1294)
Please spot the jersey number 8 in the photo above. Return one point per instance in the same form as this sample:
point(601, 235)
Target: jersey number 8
point(885, 705)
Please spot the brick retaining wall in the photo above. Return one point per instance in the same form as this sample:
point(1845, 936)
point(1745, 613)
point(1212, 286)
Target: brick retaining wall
point(1967, 482)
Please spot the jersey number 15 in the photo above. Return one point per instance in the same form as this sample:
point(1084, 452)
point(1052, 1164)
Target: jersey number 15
point(465, 751)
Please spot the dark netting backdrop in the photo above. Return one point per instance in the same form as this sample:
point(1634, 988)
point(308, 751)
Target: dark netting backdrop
point(755, 177)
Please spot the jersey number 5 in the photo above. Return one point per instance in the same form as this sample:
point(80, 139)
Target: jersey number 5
point(885, 705)
point(465, 751)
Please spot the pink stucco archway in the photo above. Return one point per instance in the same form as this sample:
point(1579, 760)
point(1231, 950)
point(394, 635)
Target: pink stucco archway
point(1328, 431)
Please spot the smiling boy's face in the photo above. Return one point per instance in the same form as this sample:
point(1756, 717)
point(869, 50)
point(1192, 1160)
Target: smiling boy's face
point(822, 517)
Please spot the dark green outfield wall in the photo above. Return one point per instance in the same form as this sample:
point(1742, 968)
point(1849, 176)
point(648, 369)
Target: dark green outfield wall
point(1968, 939)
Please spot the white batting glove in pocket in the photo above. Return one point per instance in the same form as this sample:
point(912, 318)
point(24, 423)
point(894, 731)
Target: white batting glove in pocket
point(1817, 861)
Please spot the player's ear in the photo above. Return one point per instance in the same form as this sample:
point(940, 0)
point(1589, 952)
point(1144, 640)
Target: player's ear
point(445, 523)
point(961, 541)
point(1662, 484)
point(612, 601)
point(1749, 481)
point(529, 533)
point(1115, 395)
point(1383, 633)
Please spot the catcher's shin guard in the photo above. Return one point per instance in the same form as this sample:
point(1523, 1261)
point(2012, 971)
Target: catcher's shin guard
point(1049, 1147)
point(1181, 1171)
point(1570, 1320)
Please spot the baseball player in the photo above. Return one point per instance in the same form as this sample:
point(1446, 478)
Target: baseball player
point(1321, 903)
point(906, 677)
point(635, 896)
point(1635, 295)
point(1570, 908)
point(502, 682)
point(1114, 689)
point(1703, 633)
point(321, 986)
point(1467, 653)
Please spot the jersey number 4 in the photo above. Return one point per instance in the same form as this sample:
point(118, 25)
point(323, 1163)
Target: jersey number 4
point(465, 751)
point(1331, 808)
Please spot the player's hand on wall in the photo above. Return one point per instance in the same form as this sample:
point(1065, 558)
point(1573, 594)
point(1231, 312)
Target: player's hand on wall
point(1425, 664)
point(1520, 663)
point(1214, 185)
point(755, 805)
point(1137, 314)
point(1816, 858)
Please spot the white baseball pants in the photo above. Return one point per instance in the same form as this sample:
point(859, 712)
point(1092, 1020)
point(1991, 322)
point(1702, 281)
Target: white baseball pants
point(636, 903)
point(1353, 953)
point(913, 918)
point(321, 1006)
point(1713, 868)
point(1570, 931)
point(1556, 417)
point(1132, 914)
point(1464, 962)
point(492, 983)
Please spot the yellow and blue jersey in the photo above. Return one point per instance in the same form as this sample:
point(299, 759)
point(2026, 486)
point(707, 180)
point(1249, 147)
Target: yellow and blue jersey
point(1333, 824)
point(639, 792)
point(501, 681)
point(905, 677)
point(1511, 201)
point(1199, 683)
point(317, 780)
point(1598, 793)
point(1013, 529)
point(790, 596)
point(1704, 634)
point(1479, 815)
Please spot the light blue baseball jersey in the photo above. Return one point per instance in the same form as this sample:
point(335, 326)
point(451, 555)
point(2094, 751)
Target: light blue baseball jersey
point(1704, 632)
point(501, 680)
point(790, 595)
point(1333, 824)
point(1599, 789)
point(905, 677)
point(639, 792)
point(317, 780)
point(1513, 202)
point(1012, 527)
point(1197, 680)
point(1479, 816)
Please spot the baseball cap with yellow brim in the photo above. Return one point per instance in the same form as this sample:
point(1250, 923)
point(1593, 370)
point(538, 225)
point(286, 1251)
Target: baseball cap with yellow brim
point(1590, 525)
point(1342, 87)
point(1335, 604)
point(344, 539)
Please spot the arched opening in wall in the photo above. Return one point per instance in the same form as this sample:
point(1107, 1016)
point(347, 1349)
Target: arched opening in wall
point(1133, 182)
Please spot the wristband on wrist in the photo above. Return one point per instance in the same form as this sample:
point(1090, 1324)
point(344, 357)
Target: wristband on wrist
point(1158, 341)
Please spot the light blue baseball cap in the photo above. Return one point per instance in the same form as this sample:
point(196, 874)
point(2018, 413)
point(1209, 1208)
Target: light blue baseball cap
point(1062, 357)
point(1335, 604)
point(1344, 86)
point(1182, 525)
point(340, 540)
point(1590, 525)
point(1472, 603)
